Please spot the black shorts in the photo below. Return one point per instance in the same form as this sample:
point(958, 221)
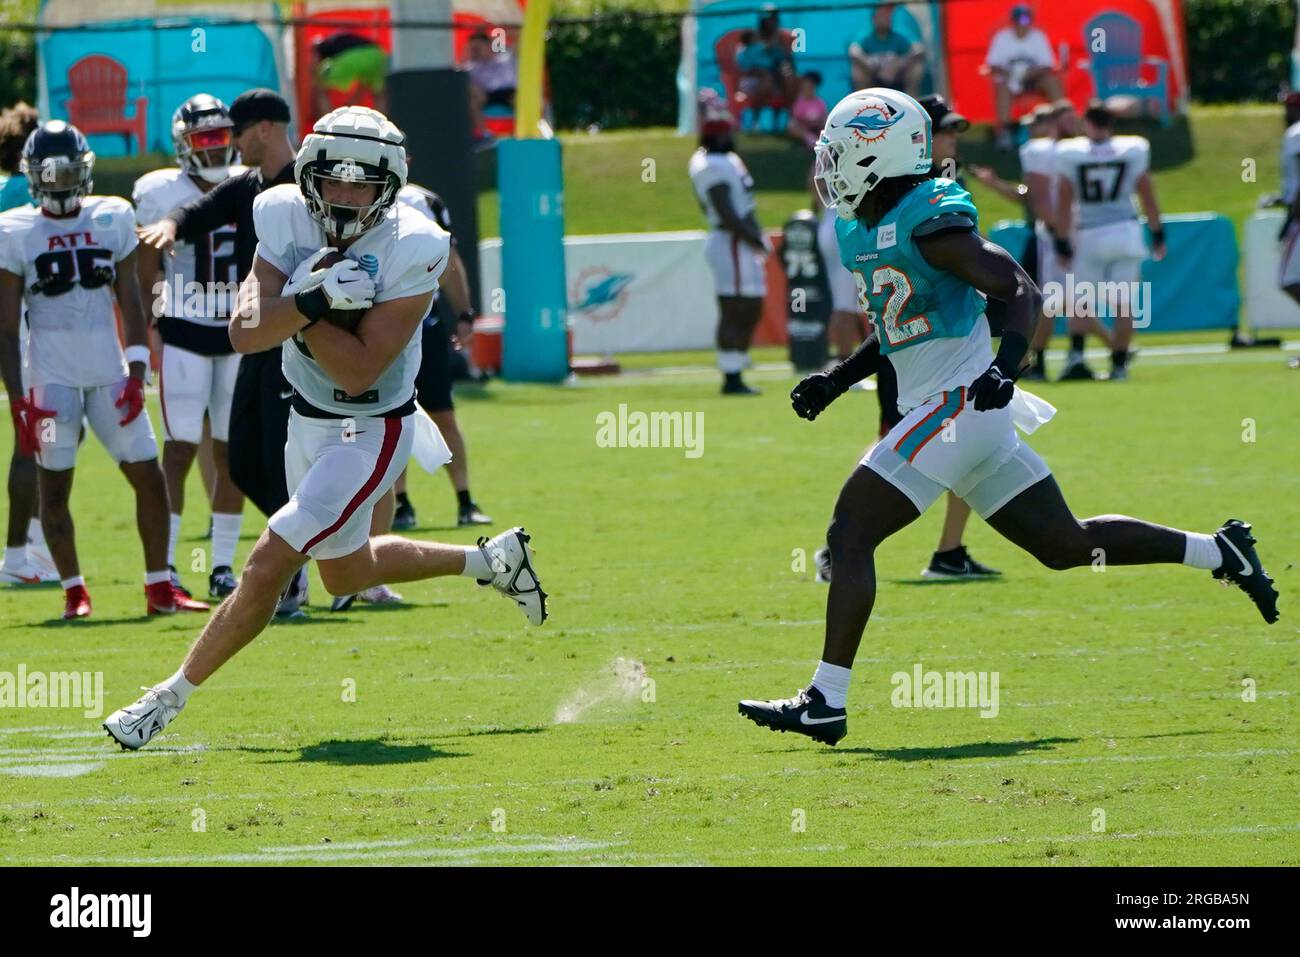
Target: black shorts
point(433, 381)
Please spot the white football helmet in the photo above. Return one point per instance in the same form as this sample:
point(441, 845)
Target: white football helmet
point(353, 144)
point(870, 135)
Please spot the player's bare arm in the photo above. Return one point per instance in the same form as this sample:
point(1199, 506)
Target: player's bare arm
point(11, 303)
point(148, 270)
point(1064, 220)
point(262, 318)
point(355, 360)
point(135, 324)
point(746, 228)
point(1146, 191)
point(990, 269)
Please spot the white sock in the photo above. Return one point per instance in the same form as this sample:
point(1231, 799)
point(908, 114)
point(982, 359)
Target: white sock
point(172, 535)
point(179, 685)
point(225, 537)
point(1202, 551)
point(833, 682)
point(35, 534)
point(476, 564)
point(15, 557)
point(72, 582)
point(732, 360)
point(153, 578)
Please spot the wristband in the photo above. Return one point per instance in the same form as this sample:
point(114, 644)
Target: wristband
point(1158, 237)
point(1011, 352)
point(138, 354)
point(313, 304)
point(467, 316)
point(865, 361)
point(1063, 247)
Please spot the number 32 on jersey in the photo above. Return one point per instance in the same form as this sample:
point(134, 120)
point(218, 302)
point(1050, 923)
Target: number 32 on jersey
point(888, 326)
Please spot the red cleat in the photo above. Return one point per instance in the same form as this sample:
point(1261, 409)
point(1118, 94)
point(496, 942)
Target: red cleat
point(76, 602)
point(164, 598)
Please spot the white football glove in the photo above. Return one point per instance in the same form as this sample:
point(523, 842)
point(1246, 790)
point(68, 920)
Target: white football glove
point(345, 284)
point(304, 278)
point(348, 286)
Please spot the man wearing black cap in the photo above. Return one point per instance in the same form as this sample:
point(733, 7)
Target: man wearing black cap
point(259, 412)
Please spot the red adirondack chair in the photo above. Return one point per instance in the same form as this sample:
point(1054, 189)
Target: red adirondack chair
point(98, 102)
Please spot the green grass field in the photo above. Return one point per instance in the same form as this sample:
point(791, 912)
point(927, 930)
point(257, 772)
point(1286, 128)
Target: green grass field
point(475, 739)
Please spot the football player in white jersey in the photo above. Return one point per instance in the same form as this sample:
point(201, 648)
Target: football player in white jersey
point(349, 334)
point(72, 258)
point(26, 559)
point(1052, 123)
point(191, 292)
point(736, 248)
point(1289, 268)
point(1097, 176)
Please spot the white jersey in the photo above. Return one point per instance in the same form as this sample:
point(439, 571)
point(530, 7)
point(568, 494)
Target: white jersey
point(1290, 162)
point(405, 253)
point(73, 326)
point(708, 170)
point(1038, 155)
point(1104, 176)
point(209, 260)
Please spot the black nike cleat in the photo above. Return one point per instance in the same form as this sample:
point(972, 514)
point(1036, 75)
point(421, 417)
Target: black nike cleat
point(404, 517)
point(1241, 567)
point(471, 514)
point(957, 565)
point(222, 581)
point(805, 713)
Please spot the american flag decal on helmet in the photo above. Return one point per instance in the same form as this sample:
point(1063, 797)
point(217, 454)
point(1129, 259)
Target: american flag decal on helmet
point(918, 137)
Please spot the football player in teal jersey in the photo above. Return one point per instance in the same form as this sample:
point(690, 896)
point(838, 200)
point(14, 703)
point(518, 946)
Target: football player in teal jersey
point(923, 272)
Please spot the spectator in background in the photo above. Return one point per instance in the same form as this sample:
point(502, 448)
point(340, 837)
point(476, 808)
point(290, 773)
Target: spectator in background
point(16, 124)
point(493, 77)
point(781, 57)
point(884, 57)
point(1020, 60)
point(757, 81)
point(808, 112)
point(349, 71)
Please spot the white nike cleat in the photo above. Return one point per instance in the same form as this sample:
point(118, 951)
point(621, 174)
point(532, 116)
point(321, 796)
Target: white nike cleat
point(135, 725)
point(41, 562)
point(379, 595)
point(513, 573)
point(19, 575)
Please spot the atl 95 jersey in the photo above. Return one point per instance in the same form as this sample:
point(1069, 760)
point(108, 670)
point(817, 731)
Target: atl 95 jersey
point(68, 266)
point(210, 261)
point(405, 254)
point(1103, 175)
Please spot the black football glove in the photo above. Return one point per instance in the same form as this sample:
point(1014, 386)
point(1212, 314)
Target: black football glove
point(811, 396)
point(993, 390)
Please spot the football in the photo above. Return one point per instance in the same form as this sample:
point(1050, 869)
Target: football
point(347, 319)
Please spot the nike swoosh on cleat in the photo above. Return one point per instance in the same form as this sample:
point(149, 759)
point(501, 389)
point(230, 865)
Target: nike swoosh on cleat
point(1245, 565)
point(131, 729)
point(804, 719)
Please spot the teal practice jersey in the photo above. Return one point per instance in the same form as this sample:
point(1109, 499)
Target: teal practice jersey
point(909, 301)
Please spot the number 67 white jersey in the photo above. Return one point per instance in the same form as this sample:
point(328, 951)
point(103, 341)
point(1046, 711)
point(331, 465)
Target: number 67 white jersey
point(1103, 176)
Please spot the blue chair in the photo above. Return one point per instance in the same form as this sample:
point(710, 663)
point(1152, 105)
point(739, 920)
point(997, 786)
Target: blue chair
point(1118, 69)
